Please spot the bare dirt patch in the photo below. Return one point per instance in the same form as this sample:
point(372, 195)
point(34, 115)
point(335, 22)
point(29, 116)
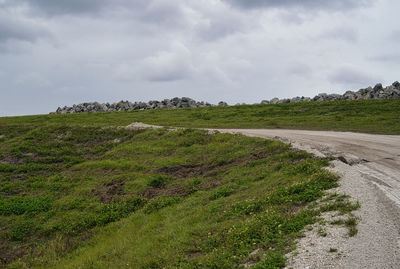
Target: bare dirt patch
point(9, 254)
point(259, 155)
point(190, 171)
point(193, 255)
point(11, 160)
point(184, 171)
point(110, 191)
point(17, 177)
point(210, 184)
point(170, 191)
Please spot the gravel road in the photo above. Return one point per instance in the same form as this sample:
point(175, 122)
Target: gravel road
point(369, 166)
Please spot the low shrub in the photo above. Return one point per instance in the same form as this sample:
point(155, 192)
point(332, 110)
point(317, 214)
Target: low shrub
point(158, 181)
point(160, 203)
point(21, 230)
point(20, 205)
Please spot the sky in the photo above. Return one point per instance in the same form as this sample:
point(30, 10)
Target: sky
point(56, 52)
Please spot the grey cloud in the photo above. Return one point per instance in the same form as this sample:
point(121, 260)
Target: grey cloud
point(18, 34)
point(161, 13)
point(65, 7)
point(153, 11)
point(216, 28)
point(216, 22)
point(168, 65)
point(292, 17)
point(17, 29)
point(349, 75)
point(149, 12)
point(395, 35)
point(299, 69)
point(347, 34)
point(386, 58)
point(314, 4)
point(13, 47)
point(74, 7)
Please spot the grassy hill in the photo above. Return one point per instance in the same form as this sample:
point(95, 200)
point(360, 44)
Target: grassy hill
point(76, 191)
point(369, 116)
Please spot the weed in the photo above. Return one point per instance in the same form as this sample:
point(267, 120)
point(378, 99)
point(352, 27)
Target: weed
point(21, 230)
point(76, 222)
point(273, 260)
point(322, 231)
point(223, 191)
point(160, 203)
point(344, 207)
point(200, 116)
point(336, 197)
point(340, 203)
point(351, 223)
point(21, 205)
point(158, 181)
point(337, 222)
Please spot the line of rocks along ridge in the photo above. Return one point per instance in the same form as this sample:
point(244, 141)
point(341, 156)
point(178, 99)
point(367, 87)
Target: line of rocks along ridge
point(377, 92)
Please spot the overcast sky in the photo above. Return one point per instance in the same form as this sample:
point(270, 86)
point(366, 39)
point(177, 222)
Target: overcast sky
point(58, 52)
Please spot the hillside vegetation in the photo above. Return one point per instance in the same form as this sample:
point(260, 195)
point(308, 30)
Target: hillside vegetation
point(77, 191)
point(370, 116)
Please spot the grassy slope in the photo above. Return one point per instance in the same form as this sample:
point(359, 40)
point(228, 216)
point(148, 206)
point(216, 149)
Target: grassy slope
point(372, 116)
point(74, 193)
point(89, 197)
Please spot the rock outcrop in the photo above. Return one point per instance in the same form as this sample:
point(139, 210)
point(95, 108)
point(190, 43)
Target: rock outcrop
point(129, 106)
point(377, 92)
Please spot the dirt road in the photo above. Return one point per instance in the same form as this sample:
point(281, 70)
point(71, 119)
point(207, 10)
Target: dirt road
point(369, 166)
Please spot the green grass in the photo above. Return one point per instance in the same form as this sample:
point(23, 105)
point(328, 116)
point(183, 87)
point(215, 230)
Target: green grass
point(76, 192)
point(370, 116)
point(72, 196)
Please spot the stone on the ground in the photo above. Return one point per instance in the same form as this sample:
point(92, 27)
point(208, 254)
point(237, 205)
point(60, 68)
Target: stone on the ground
point(377, 92)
